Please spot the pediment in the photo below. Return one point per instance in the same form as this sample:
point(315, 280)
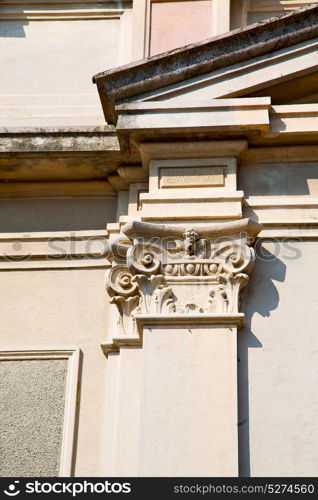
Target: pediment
point(276, 58)
point(288, 75)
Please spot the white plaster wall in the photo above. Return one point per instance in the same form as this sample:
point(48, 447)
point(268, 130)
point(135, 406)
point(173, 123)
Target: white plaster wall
point(278, 364)
point(47, 57)
point(49, 64)
point(279, 179)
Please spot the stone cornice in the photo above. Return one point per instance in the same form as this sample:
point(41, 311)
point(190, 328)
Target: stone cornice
point(199, 58)
point(60, 10)
point(231, 320)
point(62, 154)
point(58, 139)
point(197, 117)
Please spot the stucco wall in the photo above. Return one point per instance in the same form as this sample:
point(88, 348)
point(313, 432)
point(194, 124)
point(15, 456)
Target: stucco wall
point(278, 363)
point(70, 214)
point(32, 398)
point(64, 308)
point(50, 51)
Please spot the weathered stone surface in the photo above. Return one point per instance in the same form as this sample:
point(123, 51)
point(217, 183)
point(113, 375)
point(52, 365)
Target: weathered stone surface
point(51, 139)
point(185, 177)
point(60, 153)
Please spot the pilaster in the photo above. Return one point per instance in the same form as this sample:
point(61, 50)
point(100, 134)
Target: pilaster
point(178, 269)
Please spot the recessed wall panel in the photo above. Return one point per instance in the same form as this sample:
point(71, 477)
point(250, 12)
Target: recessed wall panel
point(32, 402)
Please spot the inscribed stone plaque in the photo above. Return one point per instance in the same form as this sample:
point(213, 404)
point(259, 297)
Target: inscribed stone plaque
point(32, 400)
point(191, 176)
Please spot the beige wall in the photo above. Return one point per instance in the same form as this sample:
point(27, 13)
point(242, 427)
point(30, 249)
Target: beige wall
point(278, 364)
point(273, 178)
point(56, 214)
point(61, 308)
point(51, 63)
point(258, 10)
point(51, 51)
point(64, 308)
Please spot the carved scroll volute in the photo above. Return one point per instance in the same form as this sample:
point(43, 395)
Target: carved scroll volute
point(236, 256)
point(124, 294)
point(145, 259)
point(120, 282)
point(233, 256)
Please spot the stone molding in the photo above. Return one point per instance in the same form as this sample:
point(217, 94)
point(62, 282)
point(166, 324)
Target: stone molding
point(54, 250)
point(282, 6)
point(60, 11)
point(175, 274)
point(135, 229)
point(148, 320)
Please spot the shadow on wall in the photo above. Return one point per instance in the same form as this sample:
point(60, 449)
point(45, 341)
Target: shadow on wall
point(261, 297)
point(13, 28)
point(278, 179)
point(27, 215)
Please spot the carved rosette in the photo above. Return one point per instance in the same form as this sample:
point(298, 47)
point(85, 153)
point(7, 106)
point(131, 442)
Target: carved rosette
point(183, 272)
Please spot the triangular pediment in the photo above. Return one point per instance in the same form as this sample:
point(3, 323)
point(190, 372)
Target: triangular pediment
point(288, 75)
point(276, 58)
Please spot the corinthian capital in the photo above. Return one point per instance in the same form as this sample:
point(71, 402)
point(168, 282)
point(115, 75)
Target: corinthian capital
point(181, 270)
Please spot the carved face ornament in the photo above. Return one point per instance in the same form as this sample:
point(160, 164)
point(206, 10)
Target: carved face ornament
point(190, 240)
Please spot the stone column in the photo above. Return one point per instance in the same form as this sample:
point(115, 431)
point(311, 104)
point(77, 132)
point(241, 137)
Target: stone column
point(177, 290)
point(178, 296)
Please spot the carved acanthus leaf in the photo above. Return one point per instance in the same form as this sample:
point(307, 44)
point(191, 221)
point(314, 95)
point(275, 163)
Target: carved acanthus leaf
point(156, 297)
point(224, 296)
point(128, 308)
point(186, 273)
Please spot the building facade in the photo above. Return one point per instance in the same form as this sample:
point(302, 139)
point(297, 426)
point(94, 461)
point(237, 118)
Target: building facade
point(158, 238)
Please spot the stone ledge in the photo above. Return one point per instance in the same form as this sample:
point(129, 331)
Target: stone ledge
point(229, 320)
point(53, 250)
point(118, 342)
point(58, 139)
point(251, 227)
point(174, 320)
